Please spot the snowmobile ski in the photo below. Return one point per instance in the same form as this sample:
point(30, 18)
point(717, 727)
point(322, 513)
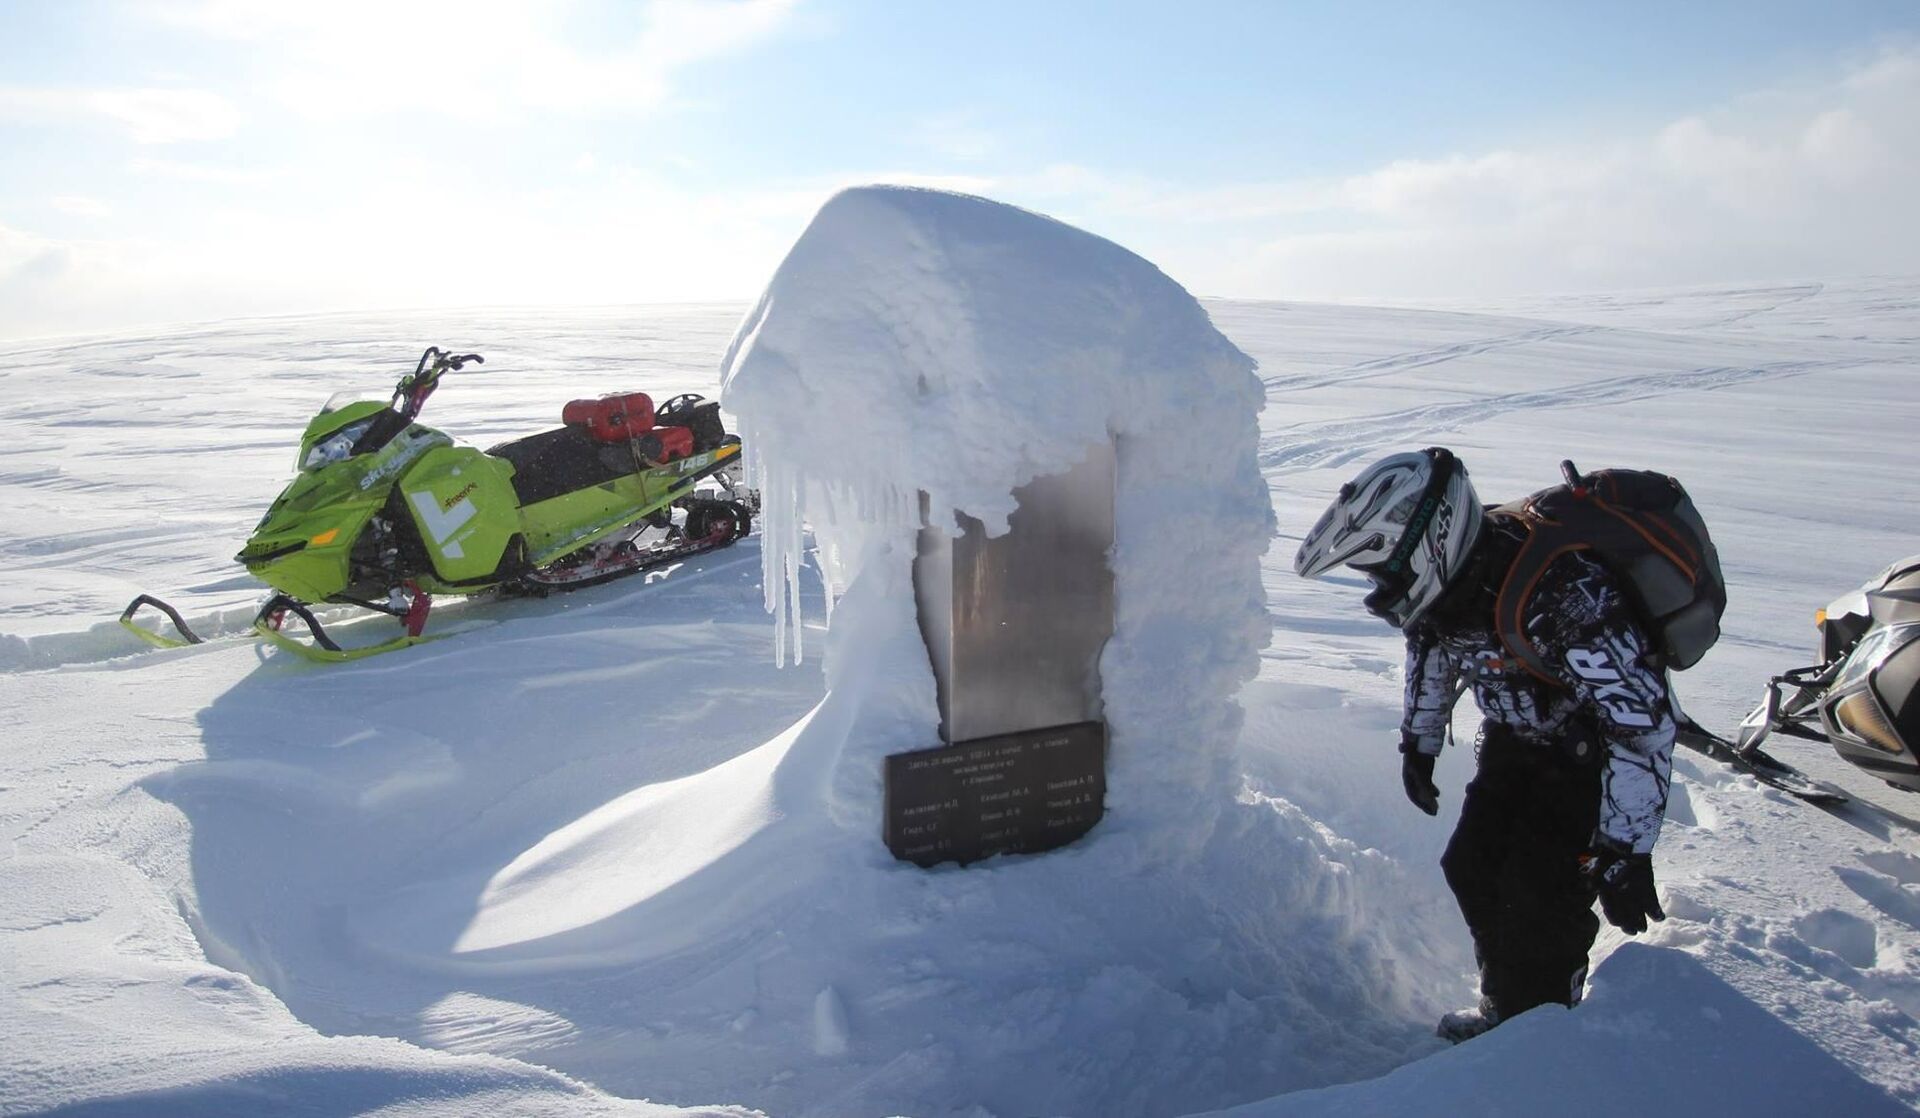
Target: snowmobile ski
point(270, 623)
point(1759, 764)
point(153, 637)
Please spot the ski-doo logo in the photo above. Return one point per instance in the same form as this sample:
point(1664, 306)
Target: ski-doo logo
point(1610, 691)
point(409, 448)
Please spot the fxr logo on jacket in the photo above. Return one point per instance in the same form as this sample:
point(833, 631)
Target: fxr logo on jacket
point(1595, 666)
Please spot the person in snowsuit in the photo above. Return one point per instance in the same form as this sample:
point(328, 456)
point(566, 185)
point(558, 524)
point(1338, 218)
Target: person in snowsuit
point(1573, 769)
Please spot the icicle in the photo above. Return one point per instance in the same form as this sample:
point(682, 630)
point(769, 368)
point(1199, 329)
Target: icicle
point(794, 542)
point(827, 545)
point(780, 543)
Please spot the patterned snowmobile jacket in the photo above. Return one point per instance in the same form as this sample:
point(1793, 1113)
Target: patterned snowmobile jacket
point(1581, 624)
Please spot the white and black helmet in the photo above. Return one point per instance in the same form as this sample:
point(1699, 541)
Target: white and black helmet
point(1408, 523)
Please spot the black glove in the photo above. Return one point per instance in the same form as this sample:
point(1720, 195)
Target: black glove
point(1625, 885)
point(1416, 775)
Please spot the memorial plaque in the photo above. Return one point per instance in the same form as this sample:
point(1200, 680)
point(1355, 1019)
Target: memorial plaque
point(1008, 794)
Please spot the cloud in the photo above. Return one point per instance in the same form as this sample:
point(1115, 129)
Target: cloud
point(221, 174)
point(149, 115)
point(421, 241)
point(49, 286)
point(619, 235)
point(79, 206)
point(1812, 180)
point(24, 256)
point(475, 59)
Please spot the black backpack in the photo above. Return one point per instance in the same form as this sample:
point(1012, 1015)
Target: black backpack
point(1643, 527)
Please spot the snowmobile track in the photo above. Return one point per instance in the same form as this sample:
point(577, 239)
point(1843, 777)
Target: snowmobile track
point(1791, 295)
point(1299, 448)
point(1419, 359)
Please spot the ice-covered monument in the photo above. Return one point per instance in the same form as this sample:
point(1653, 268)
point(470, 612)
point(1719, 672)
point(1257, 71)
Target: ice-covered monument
point(917, 360)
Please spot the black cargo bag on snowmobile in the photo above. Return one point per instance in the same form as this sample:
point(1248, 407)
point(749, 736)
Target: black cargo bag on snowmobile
point(697, 414)
point(1641, 526)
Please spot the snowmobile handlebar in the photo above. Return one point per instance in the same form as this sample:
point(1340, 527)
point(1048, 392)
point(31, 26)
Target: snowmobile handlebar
point(410, 395)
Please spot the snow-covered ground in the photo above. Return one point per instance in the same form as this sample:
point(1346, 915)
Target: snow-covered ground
point(524, 869)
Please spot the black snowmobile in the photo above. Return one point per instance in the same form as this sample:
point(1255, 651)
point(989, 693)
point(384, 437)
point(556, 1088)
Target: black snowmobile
point(1863, 697)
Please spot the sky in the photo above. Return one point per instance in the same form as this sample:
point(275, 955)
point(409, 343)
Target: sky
point(194, 160)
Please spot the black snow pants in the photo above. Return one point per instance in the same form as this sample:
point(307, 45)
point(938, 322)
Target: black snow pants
point(1513, 865)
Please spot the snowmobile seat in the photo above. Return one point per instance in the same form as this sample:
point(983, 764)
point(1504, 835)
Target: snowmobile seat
point(611, 419)
point(552, 463)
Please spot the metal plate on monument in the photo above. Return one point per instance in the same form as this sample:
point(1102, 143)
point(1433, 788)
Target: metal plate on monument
point(1015, 624)
point(1008, 794)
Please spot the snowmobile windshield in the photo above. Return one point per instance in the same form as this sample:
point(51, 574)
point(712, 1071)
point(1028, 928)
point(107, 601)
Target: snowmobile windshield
point(337, 447)
point(340, 400)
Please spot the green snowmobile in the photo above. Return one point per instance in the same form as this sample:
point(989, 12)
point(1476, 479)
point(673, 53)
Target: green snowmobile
point(387, 512)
